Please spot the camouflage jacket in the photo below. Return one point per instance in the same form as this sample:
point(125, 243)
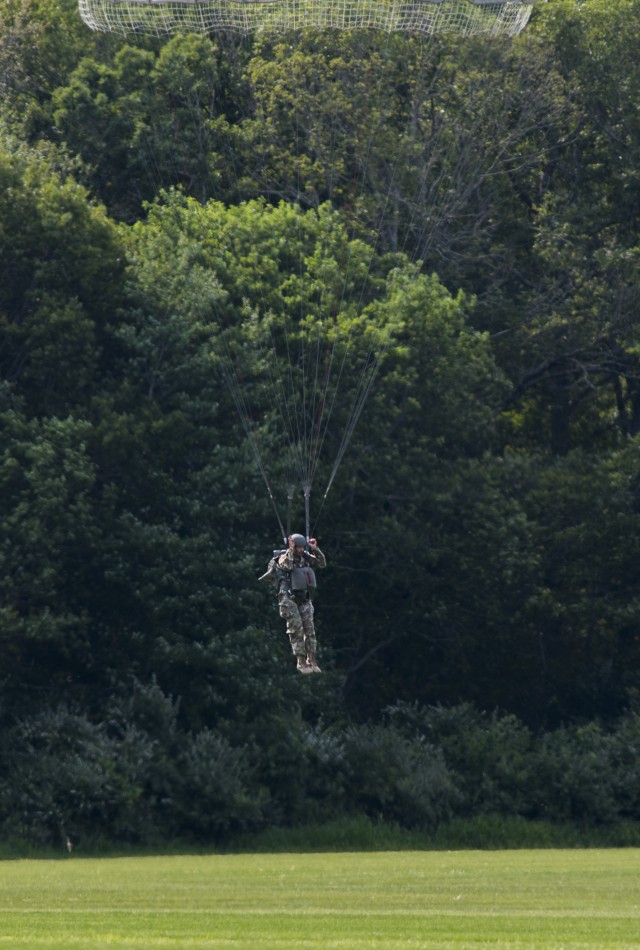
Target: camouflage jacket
point(288, 561)
point(314, 559)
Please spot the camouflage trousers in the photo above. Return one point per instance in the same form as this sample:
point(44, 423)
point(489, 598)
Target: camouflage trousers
point(299, 617)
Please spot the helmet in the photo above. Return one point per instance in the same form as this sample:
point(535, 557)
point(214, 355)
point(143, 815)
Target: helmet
point(299, 540)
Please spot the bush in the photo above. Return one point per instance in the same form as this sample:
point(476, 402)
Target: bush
point(135, 778)
point(575, 776)
point(488, 756)
point(396, 779)
point(140, 778)
point(66, 777)
point(326, 775)
point(217, 795)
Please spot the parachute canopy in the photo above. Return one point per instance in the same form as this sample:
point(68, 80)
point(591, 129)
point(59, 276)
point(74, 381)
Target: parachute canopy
point(426, 17)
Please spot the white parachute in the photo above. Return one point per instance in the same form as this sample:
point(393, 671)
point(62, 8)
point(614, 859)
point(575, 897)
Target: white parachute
point(426, 17)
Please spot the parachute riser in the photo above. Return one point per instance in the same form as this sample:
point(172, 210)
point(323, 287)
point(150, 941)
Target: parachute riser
point(275, 508)
point(307, 511)
point(289, 506)
point(306, 489)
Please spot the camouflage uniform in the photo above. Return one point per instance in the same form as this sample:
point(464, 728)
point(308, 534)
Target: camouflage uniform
point(296, 607)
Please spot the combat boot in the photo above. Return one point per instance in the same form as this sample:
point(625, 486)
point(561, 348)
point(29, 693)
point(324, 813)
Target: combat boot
point(313, 666)
point(303, 665)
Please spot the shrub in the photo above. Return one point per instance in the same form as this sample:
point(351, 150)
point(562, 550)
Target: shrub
point(65, 776)
point(396, 779)
point(574, 776)
point(326, 775)
point(216, 795)
point(489, 756)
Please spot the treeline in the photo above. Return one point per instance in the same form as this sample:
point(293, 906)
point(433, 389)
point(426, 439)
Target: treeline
point(138, 777)
point(163, 204)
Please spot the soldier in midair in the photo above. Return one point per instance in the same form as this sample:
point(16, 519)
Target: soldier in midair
point(294, 571)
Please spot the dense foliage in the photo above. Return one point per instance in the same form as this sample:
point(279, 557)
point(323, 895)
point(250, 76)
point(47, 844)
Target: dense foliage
point(470, 211)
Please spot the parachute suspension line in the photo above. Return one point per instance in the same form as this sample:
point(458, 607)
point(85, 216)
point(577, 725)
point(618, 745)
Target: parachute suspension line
point(321, 380)
point(275, 508)
point(292, 403)
point(289, 416)
point(321, 425)
point(314, 407)
point(306, 410)
point(293, 462)
point(319, 391)
point(289, 506)
point(299, 439)
point(317, 440)
point(304, 406)
point(302, 410)
point(301, 347)
point(317, 402)
point(307, 510)
point(365, 386)
point(374, 355)
point(308, 413)
point(306, 444)
point(284, 400)
point(243, 413)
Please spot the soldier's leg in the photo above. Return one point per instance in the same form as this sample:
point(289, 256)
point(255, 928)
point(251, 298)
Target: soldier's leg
point(308, 626)
point(290, 612)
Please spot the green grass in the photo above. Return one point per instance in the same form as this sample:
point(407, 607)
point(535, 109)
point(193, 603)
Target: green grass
point(360, 833)
point(481, 832)
point(351, 901)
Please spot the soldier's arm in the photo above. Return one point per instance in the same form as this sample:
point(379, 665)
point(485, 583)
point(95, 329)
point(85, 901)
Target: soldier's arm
point(318, 559)
point(285, 561)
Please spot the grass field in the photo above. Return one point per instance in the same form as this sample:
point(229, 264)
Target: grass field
point(352, 901)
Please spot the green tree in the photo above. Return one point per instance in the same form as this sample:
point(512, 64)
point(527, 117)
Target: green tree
point(60, 282)
point(148, 118)
point(49, 530)
point(576, 375)
point(41, 42)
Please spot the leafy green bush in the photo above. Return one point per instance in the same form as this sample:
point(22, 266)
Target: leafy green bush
point(488, 756)
point(582, 774)
point(576, 778)
point(66, 776)
point(326, 774)
point(135, 778)
point(396, 779)
point(216, 795)
point(624, 763)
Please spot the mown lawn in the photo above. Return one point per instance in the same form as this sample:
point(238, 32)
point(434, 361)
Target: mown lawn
point(352, 901)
